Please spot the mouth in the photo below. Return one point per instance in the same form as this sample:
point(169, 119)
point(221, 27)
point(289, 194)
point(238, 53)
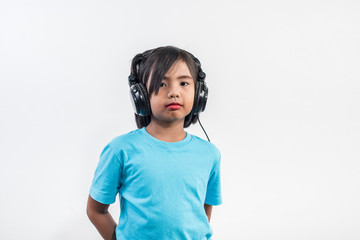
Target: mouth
point(173, 106)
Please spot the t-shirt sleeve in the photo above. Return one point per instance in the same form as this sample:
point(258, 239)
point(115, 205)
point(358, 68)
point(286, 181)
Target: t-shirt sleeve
point(213, 192)
point(107, 177)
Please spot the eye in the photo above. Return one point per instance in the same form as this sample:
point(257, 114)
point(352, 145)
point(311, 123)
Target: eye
point(162, 84)
point(184, 83)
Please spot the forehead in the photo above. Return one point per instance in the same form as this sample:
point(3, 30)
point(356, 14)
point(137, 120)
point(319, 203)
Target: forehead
point(179, 68)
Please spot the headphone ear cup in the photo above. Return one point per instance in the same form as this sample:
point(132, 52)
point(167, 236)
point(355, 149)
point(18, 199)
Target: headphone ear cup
point(140, 99)
point(196, 99)
point(200, 99)
point(147, 108)
point(203, 95)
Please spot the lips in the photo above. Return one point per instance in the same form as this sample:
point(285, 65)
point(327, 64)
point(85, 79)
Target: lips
point(173, 106)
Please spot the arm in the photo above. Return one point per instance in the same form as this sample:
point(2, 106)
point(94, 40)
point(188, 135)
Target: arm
point(208, 209)
point(101, 218)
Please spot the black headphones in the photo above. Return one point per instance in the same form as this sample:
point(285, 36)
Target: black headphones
point(140, 97)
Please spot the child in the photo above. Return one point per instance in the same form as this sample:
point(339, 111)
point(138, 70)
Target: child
point(167, 179)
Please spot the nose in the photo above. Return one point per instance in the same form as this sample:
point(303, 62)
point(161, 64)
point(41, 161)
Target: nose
point(173, 91)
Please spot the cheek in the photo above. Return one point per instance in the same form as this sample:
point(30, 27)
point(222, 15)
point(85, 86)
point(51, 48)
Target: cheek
point(153, 102)
point(190, 98)
point(156, 102)
point(192, 95)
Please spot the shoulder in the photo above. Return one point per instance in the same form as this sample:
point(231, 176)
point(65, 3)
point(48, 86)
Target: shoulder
point(126, 137)
point(125, 141)
point(205, 146)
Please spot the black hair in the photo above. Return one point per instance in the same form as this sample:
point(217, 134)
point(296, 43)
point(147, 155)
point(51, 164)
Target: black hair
point(157, 62)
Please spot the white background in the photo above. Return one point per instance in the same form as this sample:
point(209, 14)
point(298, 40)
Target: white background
point(283, 109)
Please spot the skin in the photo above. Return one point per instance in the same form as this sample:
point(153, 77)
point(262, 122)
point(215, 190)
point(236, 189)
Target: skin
point(101, 218)
point(177, 86)
point(166, 124)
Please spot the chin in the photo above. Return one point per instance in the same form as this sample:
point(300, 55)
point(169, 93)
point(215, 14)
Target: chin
point(171, 119)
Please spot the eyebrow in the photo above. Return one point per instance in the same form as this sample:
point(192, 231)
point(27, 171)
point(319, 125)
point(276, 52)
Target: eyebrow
point(180, 77)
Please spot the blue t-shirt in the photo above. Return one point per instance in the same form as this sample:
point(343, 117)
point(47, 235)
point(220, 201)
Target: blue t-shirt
point(162, 185)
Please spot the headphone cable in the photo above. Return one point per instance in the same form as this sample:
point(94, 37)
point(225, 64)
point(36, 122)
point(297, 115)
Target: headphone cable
point(203, 130)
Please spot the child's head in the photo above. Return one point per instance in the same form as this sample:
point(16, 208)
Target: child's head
point(150, 67)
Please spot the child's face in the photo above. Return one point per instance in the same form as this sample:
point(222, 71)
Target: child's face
point(175, 98)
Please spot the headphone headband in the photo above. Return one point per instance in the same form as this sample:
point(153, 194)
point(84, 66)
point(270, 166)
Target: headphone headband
point(131, 79)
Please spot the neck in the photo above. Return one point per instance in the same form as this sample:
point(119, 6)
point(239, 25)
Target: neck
point(169, 132)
